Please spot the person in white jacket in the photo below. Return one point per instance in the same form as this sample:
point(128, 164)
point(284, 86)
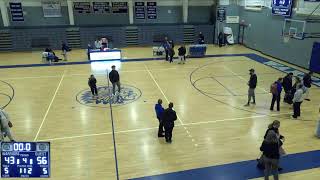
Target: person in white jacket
point(5, 126)
point(297, 100)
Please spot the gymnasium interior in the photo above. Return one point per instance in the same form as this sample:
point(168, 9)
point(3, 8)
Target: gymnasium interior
point(61, 131)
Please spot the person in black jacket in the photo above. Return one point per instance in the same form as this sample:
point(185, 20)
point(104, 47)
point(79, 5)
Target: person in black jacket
point(114, 79)
point(252, 86)
point(271, 155)
point(168, 118)
point(182, 54)
point(92, 82)
point(287, 86)
point(307, 83)
point(274, 126)
point(171, 53)
point(201, 38)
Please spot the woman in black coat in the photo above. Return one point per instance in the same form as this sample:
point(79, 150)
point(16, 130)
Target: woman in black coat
point(271, 155)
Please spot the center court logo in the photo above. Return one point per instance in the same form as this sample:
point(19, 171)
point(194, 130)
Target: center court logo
point(127, 95)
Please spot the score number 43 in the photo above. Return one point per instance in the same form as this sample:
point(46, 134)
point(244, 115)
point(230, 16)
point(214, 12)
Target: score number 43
point(12, 160)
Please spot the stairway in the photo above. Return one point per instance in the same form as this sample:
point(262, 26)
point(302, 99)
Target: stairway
point(132, 36)
point(5, 41)
point(73, 37)
point(188, 34)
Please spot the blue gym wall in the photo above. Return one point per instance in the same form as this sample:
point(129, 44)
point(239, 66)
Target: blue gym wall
point(265, 35)
point(100, 19)
point(200, 14)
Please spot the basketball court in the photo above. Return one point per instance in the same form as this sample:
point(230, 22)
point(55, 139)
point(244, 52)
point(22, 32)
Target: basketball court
point(53, 103)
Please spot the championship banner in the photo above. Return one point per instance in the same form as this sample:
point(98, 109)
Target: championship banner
point(282, 7)
point(139, 10)
point(51, 8)
point(16, 11)
point(101, 7)
point(221, 14)
point(82, 7)
point(152, 10)
point(119, 7)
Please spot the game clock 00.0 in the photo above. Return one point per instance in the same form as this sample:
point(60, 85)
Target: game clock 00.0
point(25, 159)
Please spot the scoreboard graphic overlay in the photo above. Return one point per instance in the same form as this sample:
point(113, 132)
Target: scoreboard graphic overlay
point(25, 159)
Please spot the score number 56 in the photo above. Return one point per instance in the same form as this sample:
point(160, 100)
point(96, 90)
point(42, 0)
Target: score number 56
point(42, 160)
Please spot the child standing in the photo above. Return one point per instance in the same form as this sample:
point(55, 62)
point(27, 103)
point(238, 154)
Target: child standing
point(92, 82)
point(182, 54)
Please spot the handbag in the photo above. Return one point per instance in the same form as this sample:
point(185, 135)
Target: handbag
point(260, 162)
point(282, 152)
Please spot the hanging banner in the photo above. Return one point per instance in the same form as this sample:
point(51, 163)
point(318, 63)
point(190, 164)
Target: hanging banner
point(101, 7)
point(119, 7)
point(282, 7)
point(139, 10)
point(51, 8)
point(82, 7)
point(152, 10)
point(16, 11)
point(221, 14)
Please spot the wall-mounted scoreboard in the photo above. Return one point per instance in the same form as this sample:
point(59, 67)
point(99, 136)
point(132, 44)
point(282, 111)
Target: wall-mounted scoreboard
point(25, 159)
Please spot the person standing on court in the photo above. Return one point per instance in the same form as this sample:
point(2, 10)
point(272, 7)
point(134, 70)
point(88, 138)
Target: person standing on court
point(159, 111)
point(287, 86)
point(182, 54)
point(252, 86)
point(275, 90)
point(166, 46)
point(114, 79)
point(201, 38)
point(297, 100)
point(92, 82)
point(65, 49)
point(5, 124)
point(171, 52)
point(271, 155)
point(307, 83)
point(168, 118)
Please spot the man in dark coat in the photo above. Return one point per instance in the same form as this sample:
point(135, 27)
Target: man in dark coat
point(307, 83)
point(168, 118)
point(252, 86)
point(114, 79)
point(287, 86)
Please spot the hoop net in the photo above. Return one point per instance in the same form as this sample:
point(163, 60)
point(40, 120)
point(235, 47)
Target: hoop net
point(286, 38)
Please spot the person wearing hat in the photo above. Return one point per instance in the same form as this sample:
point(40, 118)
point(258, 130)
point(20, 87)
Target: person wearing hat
point(252, 86)
point(114, 79)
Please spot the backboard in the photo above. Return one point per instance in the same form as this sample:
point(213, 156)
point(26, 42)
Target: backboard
point(294, 28)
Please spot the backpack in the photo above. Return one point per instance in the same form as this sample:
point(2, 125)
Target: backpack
point(274, 88)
